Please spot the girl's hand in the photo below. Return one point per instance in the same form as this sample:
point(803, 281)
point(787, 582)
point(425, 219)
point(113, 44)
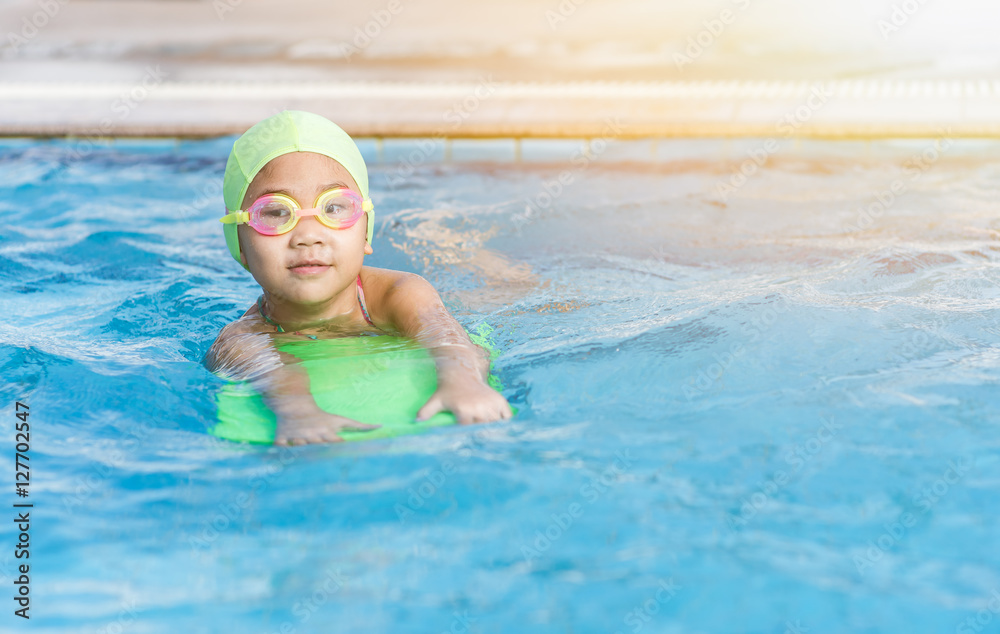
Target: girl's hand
point(308, 424)
point(469, 399)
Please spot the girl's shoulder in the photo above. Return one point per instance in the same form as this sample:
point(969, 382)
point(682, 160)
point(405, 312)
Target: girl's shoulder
point(378, 284)
point(380, 280)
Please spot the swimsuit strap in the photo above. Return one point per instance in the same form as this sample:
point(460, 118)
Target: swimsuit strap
point(260, 309)
point(361, 299)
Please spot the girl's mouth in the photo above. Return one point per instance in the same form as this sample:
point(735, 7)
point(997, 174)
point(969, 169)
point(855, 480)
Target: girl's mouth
point(309, 269)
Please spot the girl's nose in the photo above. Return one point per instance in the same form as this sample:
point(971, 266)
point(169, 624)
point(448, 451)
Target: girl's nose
point(309, 230)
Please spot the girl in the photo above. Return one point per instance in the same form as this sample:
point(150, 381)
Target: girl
point(300, 221)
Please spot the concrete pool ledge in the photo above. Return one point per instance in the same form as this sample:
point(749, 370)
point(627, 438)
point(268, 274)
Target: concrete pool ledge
point(491, 109)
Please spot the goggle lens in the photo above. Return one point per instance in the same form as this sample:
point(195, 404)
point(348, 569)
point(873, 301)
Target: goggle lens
point(340, 208)
point(270, 215)
point(274, 214)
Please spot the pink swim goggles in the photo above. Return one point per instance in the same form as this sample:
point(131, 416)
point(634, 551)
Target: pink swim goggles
point(275, 214)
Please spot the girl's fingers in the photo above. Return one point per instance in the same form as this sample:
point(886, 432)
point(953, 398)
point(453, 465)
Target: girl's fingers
point(360, 426)
point(430, 408)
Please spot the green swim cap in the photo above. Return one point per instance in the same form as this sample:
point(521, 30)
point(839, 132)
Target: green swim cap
point(287, 131)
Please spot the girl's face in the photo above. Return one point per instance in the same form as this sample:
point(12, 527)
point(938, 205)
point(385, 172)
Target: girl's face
point(276, 262)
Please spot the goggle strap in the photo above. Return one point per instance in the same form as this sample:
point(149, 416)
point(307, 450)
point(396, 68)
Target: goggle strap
point(235, 218)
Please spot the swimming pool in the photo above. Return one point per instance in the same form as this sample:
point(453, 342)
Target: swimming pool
point(754, 410)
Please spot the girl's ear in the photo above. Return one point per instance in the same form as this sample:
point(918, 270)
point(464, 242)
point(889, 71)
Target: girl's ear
point(368, 249)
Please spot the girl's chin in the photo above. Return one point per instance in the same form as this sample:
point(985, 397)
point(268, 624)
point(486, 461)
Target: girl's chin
point(305, 294)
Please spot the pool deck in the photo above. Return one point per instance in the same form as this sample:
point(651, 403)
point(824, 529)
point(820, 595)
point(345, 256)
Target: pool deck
point(491, 109)
point(437, 69)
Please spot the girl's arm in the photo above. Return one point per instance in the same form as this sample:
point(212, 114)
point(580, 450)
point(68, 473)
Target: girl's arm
point(415, 309)
point(241, 354)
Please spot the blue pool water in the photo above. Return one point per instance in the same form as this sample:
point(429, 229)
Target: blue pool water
point(758, 414)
